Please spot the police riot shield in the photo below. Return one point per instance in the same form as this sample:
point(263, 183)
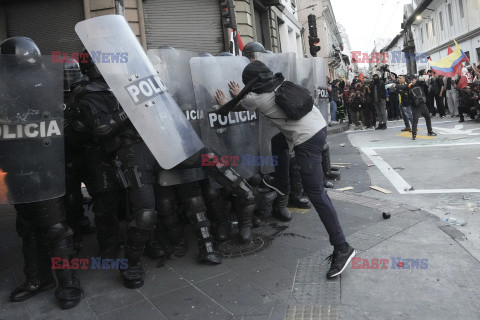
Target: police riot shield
point(139, 89)
point(306, 74)
point(32, 157)
point(311, 75)
point(320, 83)
point(179, 80)
point(233, 137)
point(174, 69)
point(286, 64)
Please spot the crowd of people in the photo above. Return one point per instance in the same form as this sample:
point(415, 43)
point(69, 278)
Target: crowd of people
point(370, 103)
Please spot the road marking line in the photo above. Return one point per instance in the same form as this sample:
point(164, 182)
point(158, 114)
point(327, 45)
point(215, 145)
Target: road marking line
point(395, 179)
point(398, 182)
point(426, 145)
point(409, 135)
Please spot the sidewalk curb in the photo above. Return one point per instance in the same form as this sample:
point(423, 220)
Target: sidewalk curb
point(316, 295)
point(338, 128)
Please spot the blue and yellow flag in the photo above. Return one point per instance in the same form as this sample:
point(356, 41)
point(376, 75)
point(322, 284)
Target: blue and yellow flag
point(448, 65)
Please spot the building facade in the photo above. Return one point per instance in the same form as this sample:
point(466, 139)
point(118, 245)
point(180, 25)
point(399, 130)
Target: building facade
point(435, 27)
point(272, 23)
point(194, 25)
point(327, 30)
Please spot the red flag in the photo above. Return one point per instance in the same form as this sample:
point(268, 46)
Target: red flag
point(450, 50)
point(240, 42)
point(361, 76)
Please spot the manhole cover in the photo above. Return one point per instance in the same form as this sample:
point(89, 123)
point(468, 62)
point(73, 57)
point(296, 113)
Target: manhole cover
point(234, 248)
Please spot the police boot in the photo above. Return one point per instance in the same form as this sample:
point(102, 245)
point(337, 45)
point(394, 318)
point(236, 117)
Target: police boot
point(264, 206)
point(207, 253)
point(60, 241)
point(327, 184)
point(244, 210)
point(139, 231)
point(37, 270)
point(326, 164)
point(155, 248)
point(69, 293)
point(133, 275)
point(280, 210)
point(219, 208)
point(169, 222)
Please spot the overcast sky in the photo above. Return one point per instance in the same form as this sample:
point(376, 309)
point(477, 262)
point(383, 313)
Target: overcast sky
point(366, 20)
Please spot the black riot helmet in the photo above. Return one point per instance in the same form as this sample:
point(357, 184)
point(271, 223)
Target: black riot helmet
point(204, 54)
point(26, 50)
point(225, 54)
point(252, 49)
point(88, 67)
point(71, 74)
point(21, 46)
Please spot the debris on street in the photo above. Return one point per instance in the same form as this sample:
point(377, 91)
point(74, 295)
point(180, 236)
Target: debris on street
point(381, 189)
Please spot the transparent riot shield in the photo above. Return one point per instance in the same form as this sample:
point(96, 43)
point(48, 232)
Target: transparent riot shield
point(139, 89)
point(179, 80)
point(286, 64)
point(320, 83)
point(32, 157)
point(174, 68)
point(234, 137)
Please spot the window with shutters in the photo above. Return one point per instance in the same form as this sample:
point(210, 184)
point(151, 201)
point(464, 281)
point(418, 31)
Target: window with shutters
point(450, 14)
point(440, 17)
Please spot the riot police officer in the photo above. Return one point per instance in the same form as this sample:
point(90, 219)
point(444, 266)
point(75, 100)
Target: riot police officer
point(41, 218)
point(90, 157)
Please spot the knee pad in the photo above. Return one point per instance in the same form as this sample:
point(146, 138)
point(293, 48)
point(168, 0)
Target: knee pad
point(144, 219)
point(167, 212)
point(211, 195)
point(57, 232)
point(194, 206)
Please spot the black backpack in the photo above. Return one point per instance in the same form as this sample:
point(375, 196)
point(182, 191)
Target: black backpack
point(296, 101)
point(418, 96)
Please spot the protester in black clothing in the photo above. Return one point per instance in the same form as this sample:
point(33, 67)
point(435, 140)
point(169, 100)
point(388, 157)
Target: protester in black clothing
point(357, 101)
point(379, 95)
point(369, 110)
point(468, 102)
point(439, 95)
point(430, 94)
point(393, 108)
point(418, 100)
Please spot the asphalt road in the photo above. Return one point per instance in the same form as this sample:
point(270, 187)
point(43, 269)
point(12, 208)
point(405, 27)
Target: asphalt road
point(443, 171)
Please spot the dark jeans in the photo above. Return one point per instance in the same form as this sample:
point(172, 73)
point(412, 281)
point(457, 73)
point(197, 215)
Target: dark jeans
point(309, 158)
point(370, 116)
point(431, 104)
point(417, 111)
point(440, 105)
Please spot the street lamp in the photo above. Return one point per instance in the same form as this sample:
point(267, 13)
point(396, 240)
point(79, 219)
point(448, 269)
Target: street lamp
point(419, 17)
point(308, 7)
